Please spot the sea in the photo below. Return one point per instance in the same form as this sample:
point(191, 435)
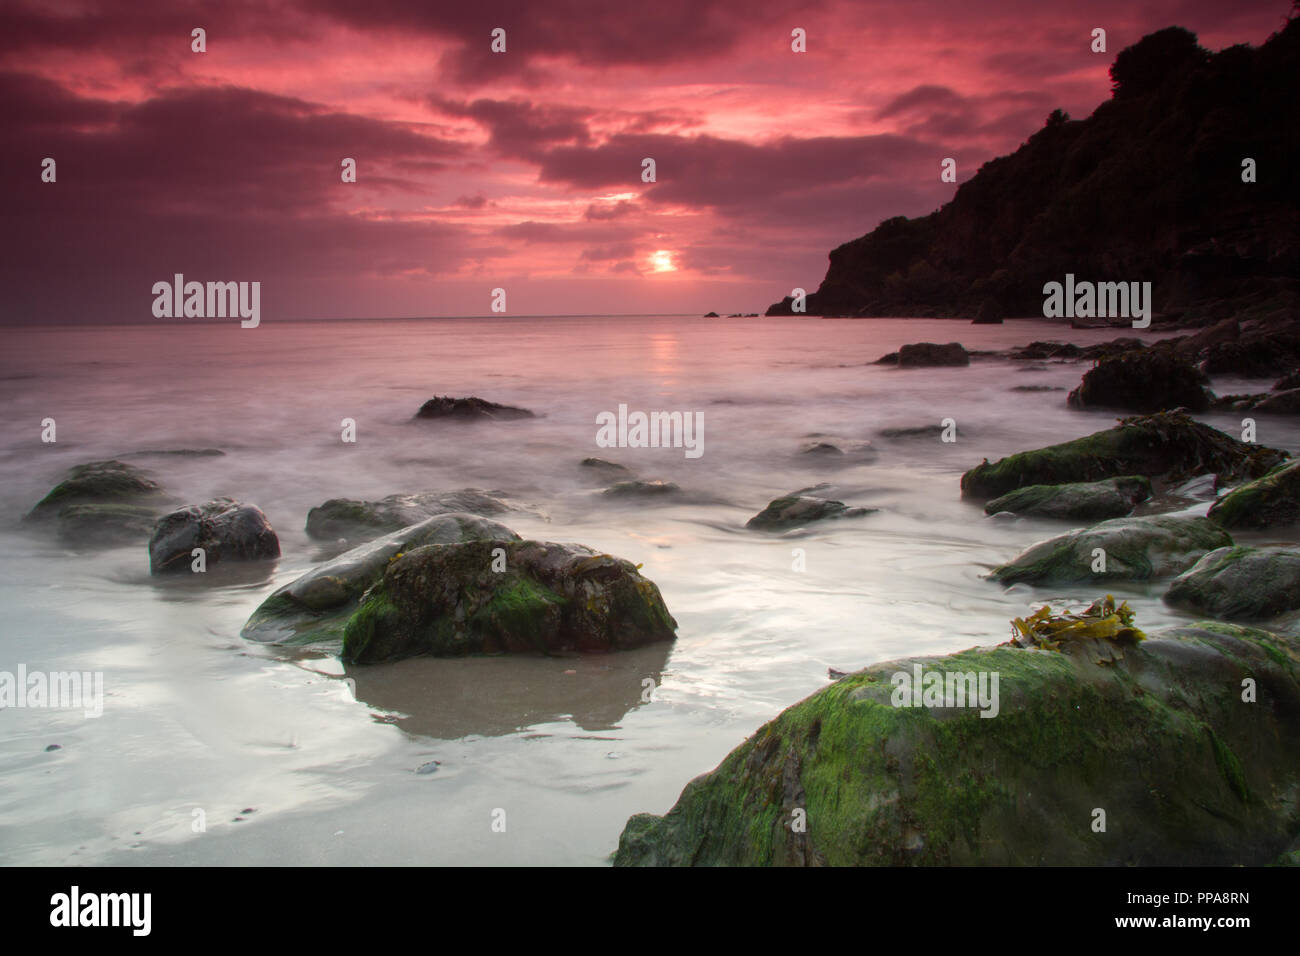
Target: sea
point(213, 750)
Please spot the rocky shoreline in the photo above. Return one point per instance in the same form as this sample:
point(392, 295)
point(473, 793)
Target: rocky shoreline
point(1109, 746)
point(1188, 729)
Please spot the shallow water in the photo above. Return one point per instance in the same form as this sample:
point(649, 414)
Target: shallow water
point(407, 763)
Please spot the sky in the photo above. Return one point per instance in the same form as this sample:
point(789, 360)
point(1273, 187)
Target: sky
point(520, 170)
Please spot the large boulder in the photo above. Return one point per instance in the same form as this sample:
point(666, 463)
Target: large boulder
point(1078, 501)
point(1136, 549)
point(1147, 381)
point(1156, 736)
point(1171, 445)
point(225, 529)
point(470, 409)
point(1240, 583)
point(1269, 502)
point(505, 596)
point(315, 607)
point(351, 518)
point(100, 504)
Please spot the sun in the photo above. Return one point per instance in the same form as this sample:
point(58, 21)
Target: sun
point(662, 261)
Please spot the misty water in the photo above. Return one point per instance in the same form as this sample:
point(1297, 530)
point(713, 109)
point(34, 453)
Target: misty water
point(407, 763)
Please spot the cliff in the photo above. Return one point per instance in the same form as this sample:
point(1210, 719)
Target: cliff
point(1148, 188)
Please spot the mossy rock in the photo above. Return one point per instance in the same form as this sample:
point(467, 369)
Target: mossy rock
point(1076, 501)
point(1185, 771)
point(1147, 381)
point(1170, 445)
point(314, 608)
point(1240, 583)
point(1269, 502)
point(98, 482)
point(1136, 549)
point(505, 596)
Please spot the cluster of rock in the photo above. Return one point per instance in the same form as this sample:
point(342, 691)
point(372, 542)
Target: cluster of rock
point(851, 777)
point(111, 503)
point(1157, 734)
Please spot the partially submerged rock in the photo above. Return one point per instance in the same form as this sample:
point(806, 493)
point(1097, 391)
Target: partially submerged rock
point(1147, 381)
point(1170, 445)
point(1287, 382)
point(636, 488)
point(604, 467)
point(912, 431)
point(225, 529)
point(800, 508)
point(839, 452)
point(1079, 501)
point(537, 596)
point(470, 409)
point(1240, 583)
point(1134, 549)
point(315, 607)
point(98, 482)
point(1269, 502)
point(931, 355)
point(105, 524)
point(101, 504)
point(350, 518)
point(1280, 403)
point(1186, 772)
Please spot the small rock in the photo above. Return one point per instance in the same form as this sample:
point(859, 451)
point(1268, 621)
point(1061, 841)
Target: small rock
point(470, 409)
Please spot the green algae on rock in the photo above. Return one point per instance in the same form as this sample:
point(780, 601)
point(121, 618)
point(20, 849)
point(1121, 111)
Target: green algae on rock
point(315, 607)
point(1077, 501)
point(97, 482)
point(505, 596)
point(1268, 502)
point(101, 504)
point(1187, 773)
point(1135, 549)
point(1169, 445)
point(1240, 583)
